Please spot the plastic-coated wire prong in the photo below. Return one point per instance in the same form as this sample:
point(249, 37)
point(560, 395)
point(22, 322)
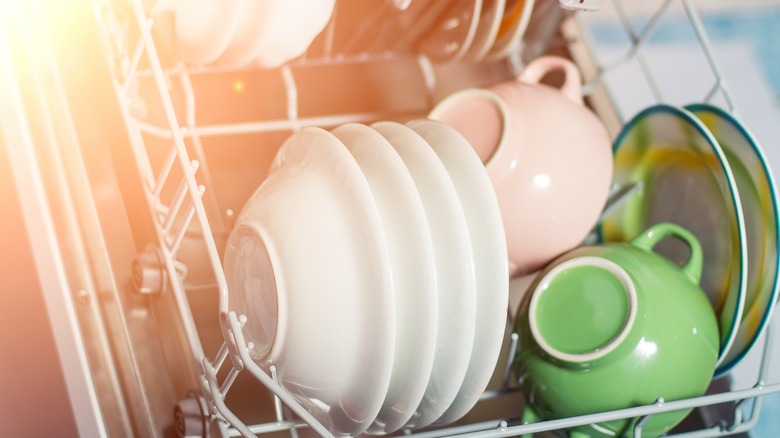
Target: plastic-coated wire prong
point(129, 75)
point(644, 419)
point(510, 359)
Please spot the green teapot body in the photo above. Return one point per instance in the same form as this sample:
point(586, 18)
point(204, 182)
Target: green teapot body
point(615, 326)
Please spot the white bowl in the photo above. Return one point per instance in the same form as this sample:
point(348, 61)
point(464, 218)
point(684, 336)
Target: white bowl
point(308, 264)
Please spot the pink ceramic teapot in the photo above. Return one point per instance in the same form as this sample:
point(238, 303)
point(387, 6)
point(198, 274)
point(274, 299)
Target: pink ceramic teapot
point(548, 156)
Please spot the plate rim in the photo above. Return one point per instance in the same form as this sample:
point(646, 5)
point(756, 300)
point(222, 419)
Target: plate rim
point(701, 129)
point(500, 49)
point(755, 147)
point(499, 278)
point(467, 40)
point(488, 30)
point(420, 296)
point(423, 153)
point(385, 318)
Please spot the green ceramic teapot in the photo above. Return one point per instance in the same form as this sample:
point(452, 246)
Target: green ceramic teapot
point(613, 326)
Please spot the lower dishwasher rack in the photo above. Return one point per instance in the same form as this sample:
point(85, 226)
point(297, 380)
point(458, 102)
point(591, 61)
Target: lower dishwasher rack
point(168, 138)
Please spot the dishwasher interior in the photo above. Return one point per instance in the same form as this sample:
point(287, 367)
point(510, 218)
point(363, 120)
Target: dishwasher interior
point(139, 166)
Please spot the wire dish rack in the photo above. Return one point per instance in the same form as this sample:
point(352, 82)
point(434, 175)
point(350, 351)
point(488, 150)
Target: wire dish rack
point(177, 183)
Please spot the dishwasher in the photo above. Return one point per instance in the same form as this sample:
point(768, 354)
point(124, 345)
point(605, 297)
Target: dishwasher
point(131, 169)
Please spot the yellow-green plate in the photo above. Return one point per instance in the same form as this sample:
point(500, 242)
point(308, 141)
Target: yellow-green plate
point(685, 178)
point(758, 193)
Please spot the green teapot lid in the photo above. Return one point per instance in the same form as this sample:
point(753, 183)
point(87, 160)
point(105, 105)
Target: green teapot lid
point(582, 309)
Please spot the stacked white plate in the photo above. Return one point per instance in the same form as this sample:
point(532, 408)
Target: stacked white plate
point(371, 266)
point(444, 30)
point(238, 33)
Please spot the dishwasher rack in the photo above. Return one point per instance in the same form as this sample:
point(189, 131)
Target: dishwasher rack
point(176, 190)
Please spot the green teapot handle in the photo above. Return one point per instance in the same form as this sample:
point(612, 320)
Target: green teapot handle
point(647, 240)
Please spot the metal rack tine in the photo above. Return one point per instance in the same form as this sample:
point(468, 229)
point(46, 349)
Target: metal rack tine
point(637, 41)
point(197, 145)
point(279, 408)
point(644, 419)
point(291, 88)
point(173, 209)
point(513, 338)
point(129, 74)
point(176, 242)
point(162, 176)
point(706, 46)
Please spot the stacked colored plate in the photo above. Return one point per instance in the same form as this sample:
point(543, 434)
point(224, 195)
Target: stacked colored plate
point(700, 167)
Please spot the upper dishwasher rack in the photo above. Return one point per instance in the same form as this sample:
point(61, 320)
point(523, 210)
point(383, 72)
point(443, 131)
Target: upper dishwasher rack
point(177, 185)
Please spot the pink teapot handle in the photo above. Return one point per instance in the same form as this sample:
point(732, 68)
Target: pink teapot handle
point(539, 67)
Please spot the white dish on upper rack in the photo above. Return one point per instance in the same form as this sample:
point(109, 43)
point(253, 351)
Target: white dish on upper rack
point(488, 241)
point(202, 29)
point(290, 26)
point(308, 264)
point(517, 15)
point(412, 270)
point(454, 268)
point(487, 30)
point(450, 38)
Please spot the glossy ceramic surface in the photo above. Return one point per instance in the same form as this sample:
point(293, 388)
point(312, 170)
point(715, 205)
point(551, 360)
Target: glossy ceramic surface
point(488, 241)
point(293, 258)
point(614, 326)
point(758, 194)
point(411, 266)
point(392, 29)
point(487, 29)
point(454, 270)
point(549, 158)
point(254, 18)
point(202, 29)
point(686, 179)
point(289, 27)
point(450, 38)
point(514, 22)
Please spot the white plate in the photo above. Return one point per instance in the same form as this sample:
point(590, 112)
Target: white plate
point(412, 269)
point(454, 267)
point(254, 19)
point(517, 15)
point(400, 31)
point(488, 242)
point(451, 36)
point(292, 27)
point(487, 30)
point(202, 28)
point(306, 249)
